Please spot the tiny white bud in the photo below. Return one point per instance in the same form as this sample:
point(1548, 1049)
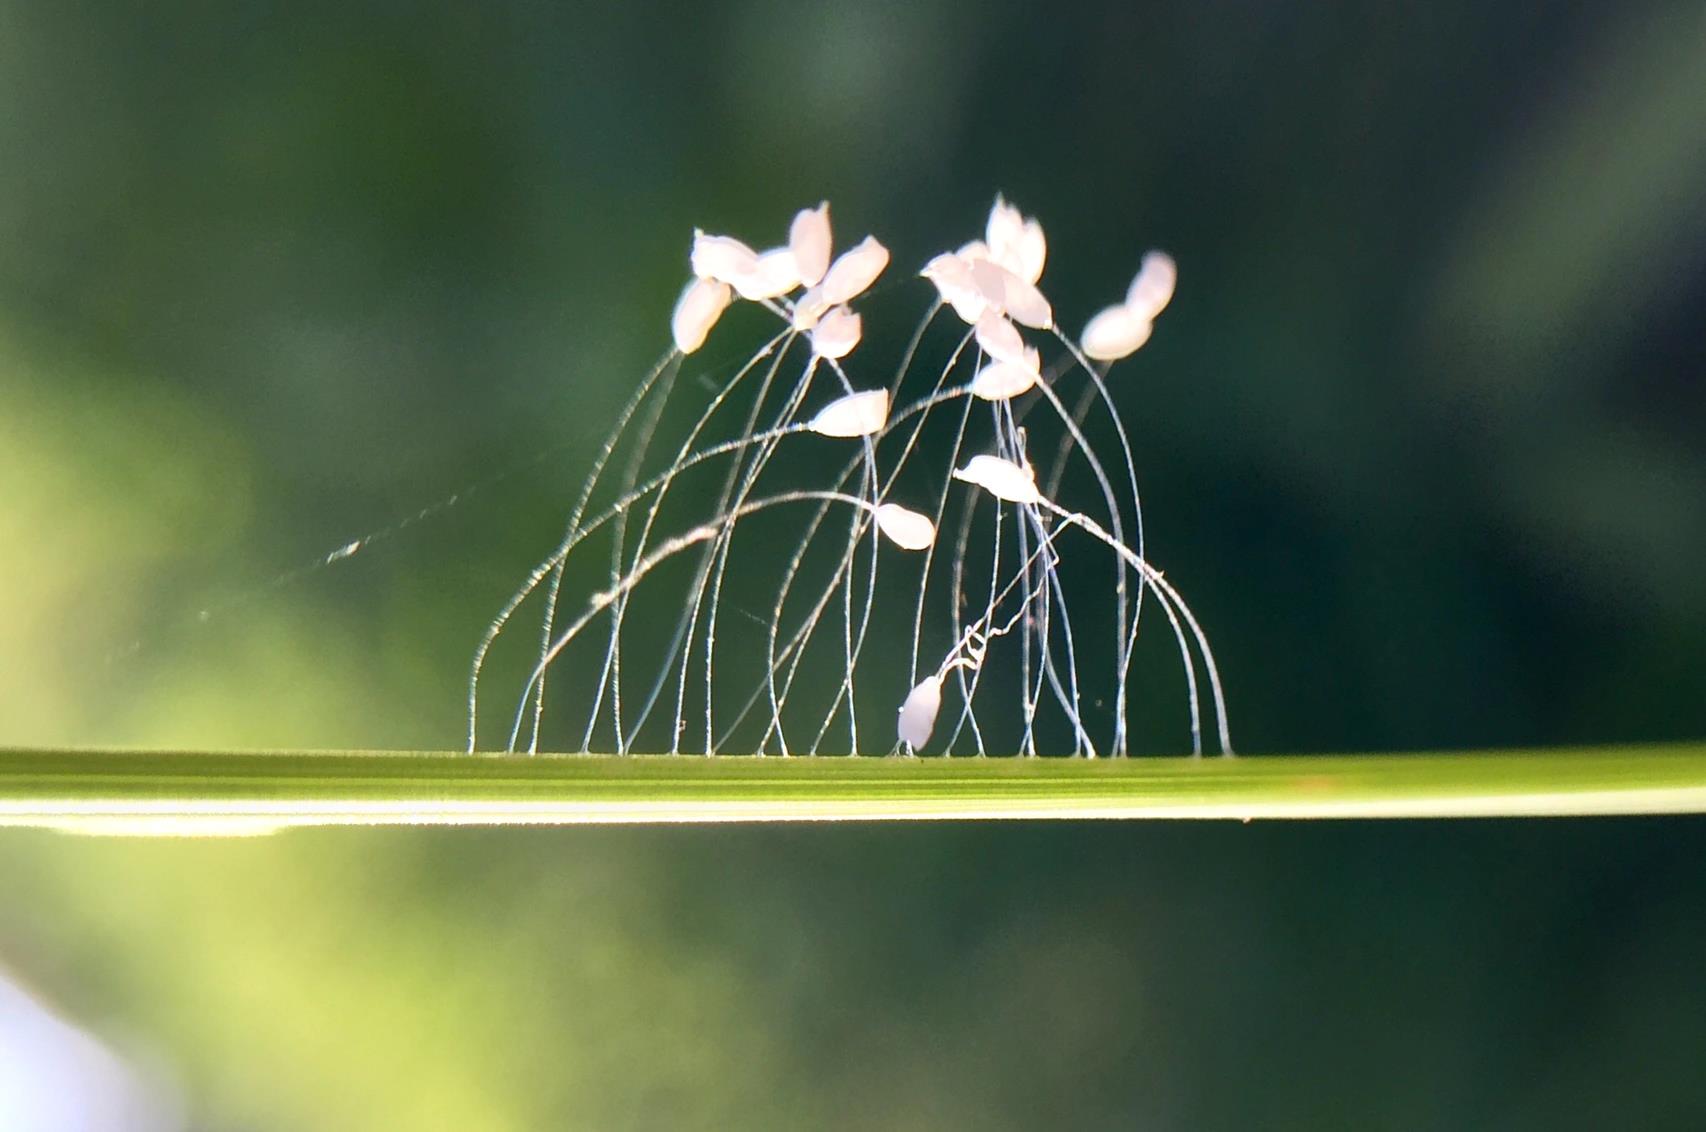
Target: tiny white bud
point(1115, 333)
point(700, 305)
point(721, 257)
point(904, 527)
point(771, 274)
point(1152, 289)
point(1002, 478)
point(809, 238)
point(854, 271)
point(918, 714)
point(836, 333)
point(856, 414)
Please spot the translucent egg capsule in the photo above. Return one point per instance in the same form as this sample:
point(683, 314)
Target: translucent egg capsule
point(1002, 381)
point(856, 414)
point(1115, 333)
point(771, 274)
point(1152, 289)
point(1003, 479)
point(906, 528)
point(1015, 241)
point(854, 271)
point(918, 714)
point(952, 277)
point(700, 305)
point(809, 239)
point(836, 333)
point(721, 257)
point(1000, 339)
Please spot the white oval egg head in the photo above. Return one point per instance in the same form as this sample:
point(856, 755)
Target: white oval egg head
point(1014, 483)
point(906, 528)
point(918, 714)
point(1152, 288)
point(772, 274)
point(854, 271)
point(856, 414)
point(836, 333)
point(700, 305)
point(809, 239)
point(721, 257)
point(1115, 333)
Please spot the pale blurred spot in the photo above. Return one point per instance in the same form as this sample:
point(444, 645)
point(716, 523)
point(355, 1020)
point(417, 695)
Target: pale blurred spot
point(55, 1077)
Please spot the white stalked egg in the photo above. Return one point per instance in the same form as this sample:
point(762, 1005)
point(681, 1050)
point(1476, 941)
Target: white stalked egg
point(918, 714)
point(906, 528)
point(1002, 478)
point(700, 305)
point(856, 414)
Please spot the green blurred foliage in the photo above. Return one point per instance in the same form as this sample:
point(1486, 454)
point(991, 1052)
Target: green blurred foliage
point(1421, 437)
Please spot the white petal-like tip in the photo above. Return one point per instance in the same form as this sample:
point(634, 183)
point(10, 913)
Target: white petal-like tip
point(1032, 252)
point(853, 271)
point(1015, 241)
point(771, 274)
point(1115, 333)
point(953, 280)
point(1002, 381)
point(906, 528)
point(918, 714)
point(808, 308)
point(809, 238)
point(1011, 295)
point(1000, 339)
point(1001, 478)
point(836, 333)
point(700, 305)
point(856, 414)
point(1152, 289)
point(1004, 225)
point(721, 257)
point(1026, 305)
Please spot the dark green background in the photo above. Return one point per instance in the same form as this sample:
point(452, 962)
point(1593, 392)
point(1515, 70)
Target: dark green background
point(1423, 436)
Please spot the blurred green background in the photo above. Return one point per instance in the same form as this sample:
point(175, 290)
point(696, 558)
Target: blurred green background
point(1423, 436)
